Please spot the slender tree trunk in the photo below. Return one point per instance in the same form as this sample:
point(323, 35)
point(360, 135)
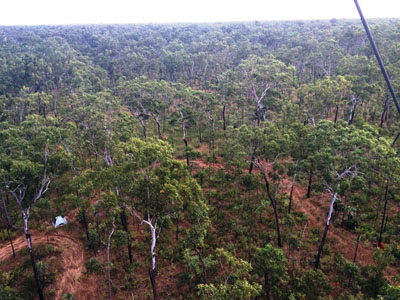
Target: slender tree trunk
point(7, 221)
point(273, 203)
point(85, 225)
point(354, 260)
point(153, 269)
point(343, 215)
point(184, 138)
point(203, 265)
point(55, 102)
point(144, 129)
point(253, 157)
point(395, 140)
point(242, 115)
point(336, 113)
point(82, 157)
point(191, 73)
point(258, 115)
point(21, 113)
point(223, 117)
point(321, 246)
point(385, 108)
point(186, 152)
point(164, 120)
point(41, 107)
point(200, 137)
point(356, 250)
point(108, 264)
point(96, 215)
point(278, 232)
point(267, 289)
point(33, 261)
point(5, 211)
point(177, 229)
point(211, 136)
point(309, 184)
point(386, 220)
point(152, 274)
point(44, 112)
point(11, 242)
point(352, 113)
point(159, 129)
point(251, 164)
point(126, 229)
point(384, 213)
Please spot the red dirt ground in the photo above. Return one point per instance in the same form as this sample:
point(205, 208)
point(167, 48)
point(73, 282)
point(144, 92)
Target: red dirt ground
point(72, 259)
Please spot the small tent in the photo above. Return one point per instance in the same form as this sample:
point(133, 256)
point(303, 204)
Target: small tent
point(59, 221)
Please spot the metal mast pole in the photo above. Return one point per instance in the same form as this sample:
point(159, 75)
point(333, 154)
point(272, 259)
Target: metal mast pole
point(378, 56)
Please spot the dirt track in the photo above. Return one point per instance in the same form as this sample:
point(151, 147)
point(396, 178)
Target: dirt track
point(72, 258)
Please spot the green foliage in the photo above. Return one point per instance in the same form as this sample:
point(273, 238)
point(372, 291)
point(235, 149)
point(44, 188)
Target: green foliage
point(314, 284)
point(7, 293)
point(270, 261)
point(194, 266)
point(390, 292)
point(93, 265)
point(249, 181)
point(46, 277)
point(348, 273)
point(374, 281)
point(233, 283)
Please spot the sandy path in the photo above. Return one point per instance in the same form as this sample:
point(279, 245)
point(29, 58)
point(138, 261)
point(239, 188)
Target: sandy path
point(72, 258)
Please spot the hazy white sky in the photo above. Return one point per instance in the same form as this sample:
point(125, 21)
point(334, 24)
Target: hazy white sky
point(33, 12)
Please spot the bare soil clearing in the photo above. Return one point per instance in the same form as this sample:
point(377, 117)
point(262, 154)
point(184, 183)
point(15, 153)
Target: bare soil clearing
point(72, 258)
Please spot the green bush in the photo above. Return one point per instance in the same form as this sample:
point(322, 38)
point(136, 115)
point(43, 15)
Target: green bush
point(93, 265)
point(314, 284)
point(7, 293)
point(249, 181)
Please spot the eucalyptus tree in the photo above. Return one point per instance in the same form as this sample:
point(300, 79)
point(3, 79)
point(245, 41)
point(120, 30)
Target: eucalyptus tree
point(261, 75)
point(223, 88)
point(30, 160)
point(145, 100)
point(185, 101)
point(100, 125)
point(319, 98)
point(344, 152)
point(175, 60)
point(233, 281)
point(158, 188)
point(366, 89)
point(299, 149)
point(274, 144)
point(109, 205)
point(7, 219)
point(270, 263)
point(209, 106)
point(25, 103)
point(384, 168)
